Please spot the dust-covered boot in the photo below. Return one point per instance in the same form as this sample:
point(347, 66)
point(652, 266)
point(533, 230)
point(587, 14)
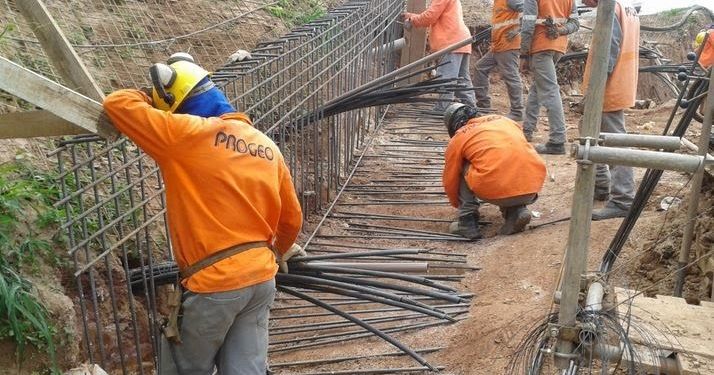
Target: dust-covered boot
point(467, 226)
point(516, 219)
point(610, 211)
point(549, 148)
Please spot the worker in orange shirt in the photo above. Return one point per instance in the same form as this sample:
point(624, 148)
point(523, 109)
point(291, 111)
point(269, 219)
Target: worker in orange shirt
point(616, 184)
point(504, 54)
point(488, 158)
point(706, 37)
point(231, 209)
point(445, 21)
point(544, 29)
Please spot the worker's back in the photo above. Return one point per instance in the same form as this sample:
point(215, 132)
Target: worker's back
point(503, 163)
point(226, 184)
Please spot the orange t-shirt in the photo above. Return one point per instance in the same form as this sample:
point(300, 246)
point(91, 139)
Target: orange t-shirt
point(621, 85)
point(706, 59)
point(503, 163)
point(446, 21)
point(226, 184)
point(503, 21)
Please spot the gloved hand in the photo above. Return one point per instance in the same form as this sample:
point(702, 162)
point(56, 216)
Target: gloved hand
point(239, 55)
point(513, 33)
point(407, 20)
point(294, 250)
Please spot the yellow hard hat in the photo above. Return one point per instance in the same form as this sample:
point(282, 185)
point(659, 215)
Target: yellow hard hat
point(173, 83)
point(699, 39)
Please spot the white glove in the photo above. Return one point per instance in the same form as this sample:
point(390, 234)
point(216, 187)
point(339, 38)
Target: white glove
point(239, 55)
point(294, 250)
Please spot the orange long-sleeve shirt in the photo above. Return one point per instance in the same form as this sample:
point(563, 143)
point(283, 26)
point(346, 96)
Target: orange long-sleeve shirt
point(503, 163)
point(226, 184)
point(445, 18)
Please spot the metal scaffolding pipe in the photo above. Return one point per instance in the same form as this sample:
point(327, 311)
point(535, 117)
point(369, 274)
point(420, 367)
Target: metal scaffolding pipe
point(694, 193)
point(396, 45)
point(593, 301)
point(640, 158)
point(576, 250)
point(657, 142)
point(617, 354)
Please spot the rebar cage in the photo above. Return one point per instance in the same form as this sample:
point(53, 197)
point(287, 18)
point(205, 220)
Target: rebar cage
point(113, 196)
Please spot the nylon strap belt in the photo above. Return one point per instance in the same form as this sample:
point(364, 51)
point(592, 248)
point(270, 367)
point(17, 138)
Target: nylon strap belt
point(541, 21)
point(220, 255)
point(505, 23)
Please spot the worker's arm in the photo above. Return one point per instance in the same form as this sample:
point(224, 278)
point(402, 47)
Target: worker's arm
point(572, 24)
point(453, 169)
point(528, 21)
point(516, 5)
point(290, 220)
point(154, 130)
point(615, 43)
point(430, 15)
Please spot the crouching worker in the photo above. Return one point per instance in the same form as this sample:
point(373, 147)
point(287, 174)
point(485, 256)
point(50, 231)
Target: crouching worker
point(231, 208)
point(489, 159)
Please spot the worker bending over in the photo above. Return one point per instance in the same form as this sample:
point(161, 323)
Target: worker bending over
point(544, 30)
point(616, 184)
point(230, 200)
point(504, 54)
point(488, 158)
point(445, 21)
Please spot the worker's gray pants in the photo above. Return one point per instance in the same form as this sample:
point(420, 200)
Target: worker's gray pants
point(228, 330)
point(618, 179)
point(545, 92)
point(507, 63)
point(458, 67)
point(469, 203)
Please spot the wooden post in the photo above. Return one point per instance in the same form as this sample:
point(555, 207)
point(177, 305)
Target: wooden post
point(58, 50)
point(695, 192)
point(415, 38)
point(61, 101)
point(576, 252)
point(70, 67)
point(36, 124)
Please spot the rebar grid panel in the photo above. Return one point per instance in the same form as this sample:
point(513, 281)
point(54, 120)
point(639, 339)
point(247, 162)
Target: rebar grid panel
point(293, 75)
point(113, 197)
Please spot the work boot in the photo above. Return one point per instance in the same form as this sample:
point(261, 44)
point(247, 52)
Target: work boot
point(601, 195)
point(515, 117)
point(610, 211)
point(551, 148)
point(516, 219)
point(467, 226)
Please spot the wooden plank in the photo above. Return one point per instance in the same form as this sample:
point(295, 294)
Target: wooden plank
point(57, 47)
point(415, 38)
point(35, 124)
point(61, 101)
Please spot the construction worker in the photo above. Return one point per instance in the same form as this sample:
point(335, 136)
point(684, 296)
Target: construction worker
point(231, 209)
point(445, 21)
point(544, 29)
point(504, 54)
point(706, 58)
point(488, 158)
point(616, 184)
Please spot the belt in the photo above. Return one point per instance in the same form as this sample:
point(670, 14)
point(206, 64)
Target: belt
point(541, 21)
point(499, 25)
point(220, 255)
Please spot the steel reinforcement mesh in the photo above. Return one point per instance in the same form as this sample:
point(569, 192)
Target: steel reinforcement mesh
point(112, 193)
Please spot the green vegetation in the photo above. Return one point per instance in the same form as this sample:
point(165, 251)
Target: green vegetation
point(26, 197)
point(297, 12)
